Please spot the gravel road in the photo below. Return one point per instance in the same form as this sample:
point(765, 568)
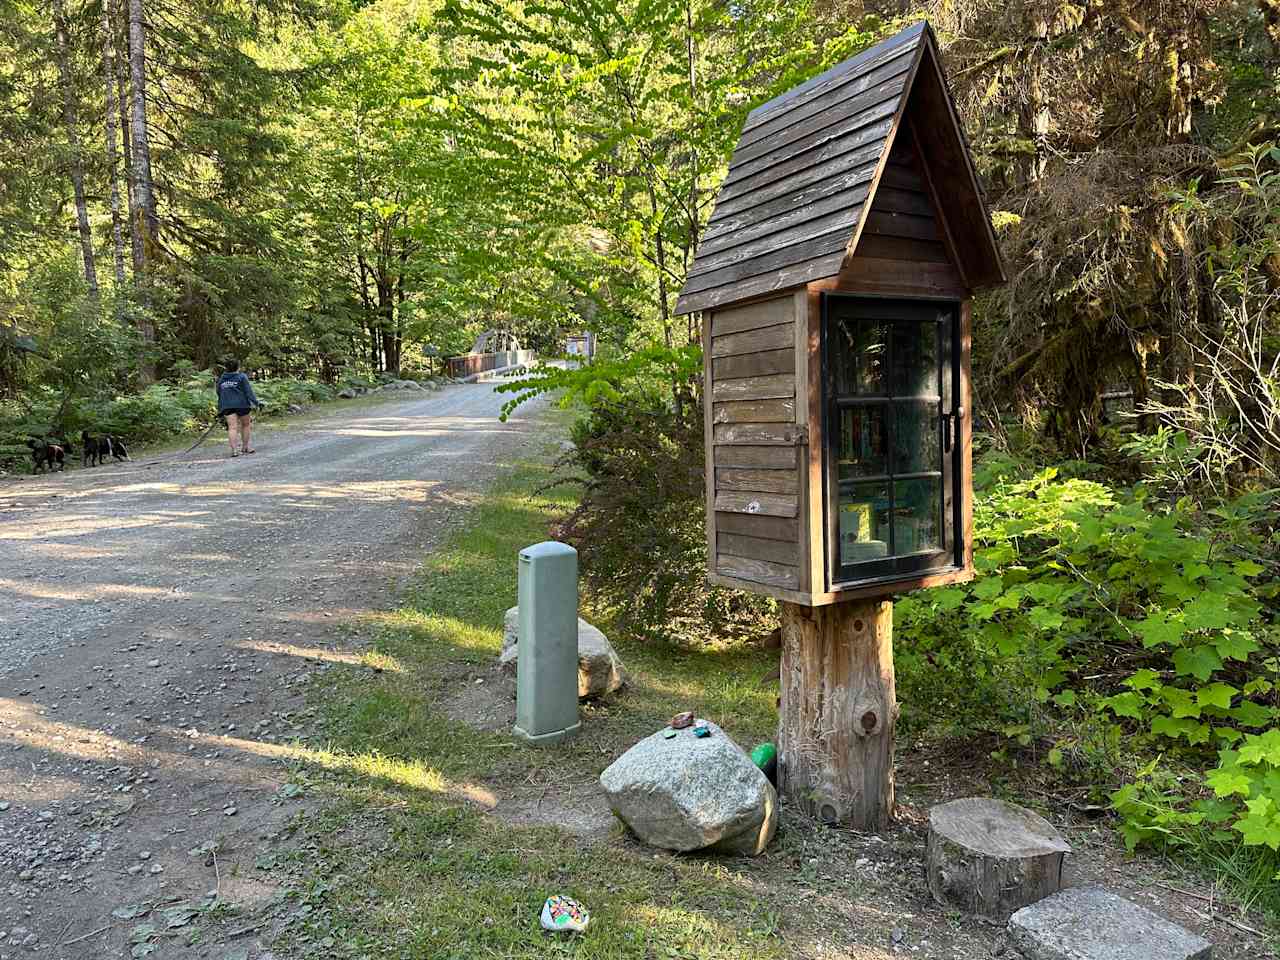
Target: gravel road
point(157, 624)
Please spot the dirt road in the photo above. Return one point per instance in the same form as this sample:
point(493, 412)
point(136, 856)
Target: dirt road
point(156, 627)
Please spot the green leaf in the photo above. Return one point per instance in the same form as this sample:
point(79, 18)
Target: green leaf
point(1262, 826)
point(1216, 695)
point(1235, 644)
point(1181, 703)
point(1195, 570)
point(988, 588)
point(1042, 618)
point(1264, 747)
point(1229, 781)
point(1217, 811)
point(1247, 568)
point(1199, 661)
point(1247, 713)
point(1067, 698)
point(1186, 729)
point(1125, 705)
point(983, 611)
point(1157, 629)
point(947, 599)
point(1144, 680)
point(1209, 611)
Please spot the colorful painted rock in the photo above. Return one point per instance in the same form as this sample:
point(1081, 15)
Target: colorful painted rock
point(561, 913)
point(682, 720)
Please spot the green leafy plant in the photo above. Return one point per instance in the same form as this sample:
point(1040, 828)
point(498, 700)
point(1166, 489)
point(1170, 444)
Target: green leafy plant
point(1148, 624)
point(606, 380)
point(639, 527)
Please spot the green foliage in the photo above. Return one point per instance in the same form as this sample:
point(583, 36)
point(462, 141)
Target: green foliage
point(1153, 626)
point(606, 380)
point(639, 526)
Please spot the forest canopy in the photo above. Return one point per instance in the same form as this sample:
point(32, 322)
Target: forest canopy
point(327, 188)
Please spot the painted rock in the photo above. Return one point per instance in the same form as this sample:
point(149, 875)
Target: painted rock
point(561, 913)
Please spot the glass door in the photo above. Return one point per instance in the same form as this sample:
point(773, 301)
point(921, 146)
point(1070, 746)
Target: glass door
point(891, 379)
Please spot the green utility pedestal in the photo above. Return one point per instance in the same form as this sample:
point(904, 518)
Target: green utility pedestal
point(547, 668)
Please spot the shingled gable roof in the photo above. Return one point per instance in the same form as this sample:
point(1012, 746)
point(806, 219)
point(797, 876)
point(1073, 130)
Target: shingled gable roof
point(806, 168)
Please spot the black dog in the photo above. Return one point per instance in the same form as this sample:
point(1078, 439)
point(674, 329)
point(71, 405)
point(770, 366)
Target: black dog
point(47, 454)
point(97, 449)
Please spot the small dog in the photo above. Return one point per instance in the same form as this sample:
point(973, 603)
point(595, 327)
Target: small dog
point(97, 449)
point(48, 455)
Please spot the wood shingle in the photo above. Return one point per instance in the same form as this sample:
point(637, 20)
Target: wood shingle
point(808, 167)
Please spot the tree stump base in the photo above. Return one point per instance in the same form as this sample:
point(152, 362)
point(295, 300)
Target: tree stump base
point(837, 712)
point(987, 858)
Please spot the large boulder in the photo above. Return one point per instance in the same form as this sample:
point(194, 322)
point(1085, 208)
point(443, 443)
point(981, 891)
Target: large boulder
point(599, 669)
point(693, 793)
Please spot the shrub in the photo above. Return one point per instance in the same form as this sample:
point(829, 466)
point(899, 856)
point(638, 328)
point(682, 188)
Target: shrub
point(640, 527)
point(1150, 627)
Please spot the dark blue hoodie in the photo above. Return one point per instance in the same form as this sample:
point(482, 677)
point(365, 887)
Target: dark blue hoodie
point(235, 392)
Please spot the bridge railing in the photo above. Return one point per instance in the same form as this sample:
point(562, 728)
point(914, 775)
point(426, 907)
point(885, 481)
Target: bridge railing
point(470, 364)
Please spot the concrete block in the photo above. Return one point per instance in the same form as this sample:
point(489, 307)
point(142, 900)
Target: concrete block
point(1092, 923)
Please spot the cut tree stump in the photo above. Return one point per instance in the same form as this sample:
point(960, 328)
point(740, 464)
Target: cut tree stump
point(837, 712)
point(988, 858)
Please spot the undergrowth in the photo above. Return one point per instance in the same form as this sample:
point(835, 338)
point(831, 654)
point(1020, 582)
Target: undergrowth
point(1131, 645)
point(158, 412)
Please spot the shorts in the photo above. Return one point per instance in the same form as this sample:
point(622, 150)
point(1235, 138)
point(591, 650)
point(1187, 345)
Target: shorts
point(238, 411)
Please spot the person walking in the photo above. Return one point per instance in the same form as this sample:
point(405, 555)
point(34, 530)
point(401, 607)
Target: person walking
point(235, 402)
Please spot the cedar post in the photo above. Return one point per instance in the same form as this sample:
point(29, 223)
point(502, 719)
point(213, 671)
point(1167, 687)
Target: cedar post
point(837, 712)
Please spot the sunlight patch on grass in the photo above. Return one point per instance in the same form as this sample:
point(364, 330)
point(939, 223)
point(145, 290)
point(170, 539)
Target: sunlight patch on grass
point(428, 637)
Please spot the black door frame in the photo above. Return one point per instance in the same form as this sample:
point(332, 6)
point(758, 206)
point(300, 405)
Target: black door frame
point(891, 569)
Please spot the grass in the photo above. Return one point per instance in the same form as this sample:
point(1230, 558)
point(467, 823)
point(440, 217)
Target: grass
point(402, 862)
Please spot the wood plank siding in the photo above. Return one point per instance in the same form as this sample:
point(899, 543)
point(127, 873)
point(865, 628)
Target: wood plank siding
point(903, 248)
point(753, 470)
point(800, 176)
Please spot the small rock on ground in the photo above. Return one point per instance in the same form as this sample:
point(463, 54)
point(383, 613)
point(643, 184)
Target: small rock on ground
point(599, 667)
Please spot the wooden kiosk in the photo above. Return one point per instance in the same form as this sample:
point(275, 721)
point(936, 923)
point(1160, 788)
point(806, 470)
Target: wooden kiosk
point(834, 279)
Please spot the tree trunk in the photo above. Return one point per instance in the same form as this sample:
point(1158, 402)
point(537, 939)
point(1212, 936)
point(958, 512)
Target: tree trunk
point(73, 141)
point(1034, 116)
point(148, 223)
point(693, 322)
point(664, 307)
point(124, 104)
point(838, 711)
point(146, 201)
point(398, 332)
point(1270, 10)
point(109, 125)
point(386, 311)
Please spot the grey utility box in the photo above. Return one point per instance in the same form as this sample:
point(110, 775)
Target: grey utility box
point(547, 668)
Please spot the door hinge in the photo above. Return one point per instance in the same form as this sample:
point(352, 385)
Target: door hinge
point(800, 435)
